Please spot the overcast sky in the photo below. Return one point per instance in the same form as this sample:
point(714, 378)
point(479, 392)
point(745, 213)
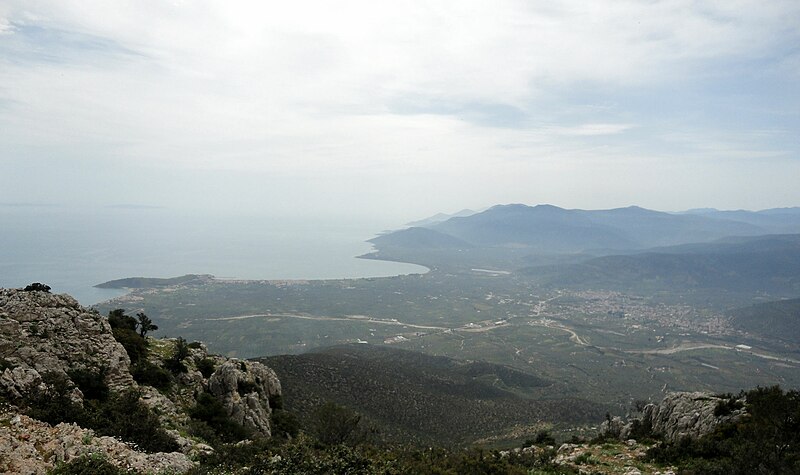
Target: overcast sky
point(400, 108)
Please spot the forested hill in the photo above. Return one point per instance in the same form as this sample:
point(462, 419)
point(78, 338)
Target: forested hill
point(414, 396)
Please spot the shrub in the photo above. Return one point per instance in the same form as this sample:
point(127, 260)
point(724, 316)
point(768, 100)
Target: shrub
point(91, 383)
point(334, 424)
point(125, 416)
point(206, 366)
point(52, 402)
point(134, 345)
point(284, 424)
point(275, 401)
point(543, 437)
point(209, 410)
point(118, 319)
point(87, 465)
point(37, 286)
point(145, 372)
point(120, 415)
point(175, 362)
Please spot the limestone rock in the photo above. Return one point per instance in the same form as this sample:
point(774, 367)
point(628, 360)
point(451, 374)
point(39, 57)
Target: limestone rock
point(54, 334)
point(245, 388)
point(28, 446)
point(678, 415)
point(18, 382)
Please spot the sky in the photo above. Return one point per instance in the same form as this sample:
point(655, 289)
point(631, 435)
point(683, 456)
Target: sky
point(399, 109)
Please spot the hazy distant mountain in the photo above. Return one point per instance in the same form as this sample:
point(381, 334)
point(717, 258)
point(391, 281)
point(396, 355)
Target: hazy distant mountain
point(547, 228)
point(419, 238)
point(412, 395)
point(540, 227)
point(440, 217)
point(763, 264)
point(776, 220)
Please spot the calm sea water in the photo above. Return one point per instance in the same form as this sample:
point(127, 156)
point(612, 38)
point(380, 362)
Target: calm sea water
point(72, 250)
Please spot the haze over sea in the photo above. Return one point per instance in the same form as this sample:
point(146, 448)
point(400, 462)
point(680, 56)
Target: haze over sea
point(74, 249)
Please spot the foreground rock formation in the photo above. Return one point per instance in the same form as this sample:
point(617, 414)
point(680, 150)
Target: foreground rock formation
point(678, 415)
point(42, 335)
point(29, 447)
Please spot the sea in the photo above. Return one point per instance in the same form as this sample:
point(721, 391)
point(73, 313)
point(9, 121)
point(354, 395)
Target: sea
point(72, 250)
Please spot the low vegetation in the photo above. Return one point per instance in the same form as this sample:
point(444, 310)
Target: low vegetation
point(121, 415)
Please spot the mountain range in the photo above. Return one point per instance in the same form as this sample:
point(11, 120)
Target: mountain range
point(550, 229)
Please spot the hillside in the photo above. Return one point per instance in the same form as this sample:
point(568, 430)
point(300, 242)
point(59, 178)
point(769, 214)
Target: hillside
point(410, 395)
point(747, 266)
point(777, 321)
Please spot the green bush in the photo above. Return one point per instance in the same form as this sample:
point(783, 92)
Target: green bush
point(206, 367)
point(120, 415)
point(145, 372)
point(209, 410)
point(334, 424)
point(126, 417)
point(87, 465)
point(91, 383)
point(175, 362)
point(544, 437)
point(118, 319)
point(134, 344)
point(284, 424)
point(52, 403)
point(275, 401)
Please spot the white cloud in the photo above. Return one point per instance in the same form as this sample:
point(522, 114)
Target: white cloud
point(307, 87)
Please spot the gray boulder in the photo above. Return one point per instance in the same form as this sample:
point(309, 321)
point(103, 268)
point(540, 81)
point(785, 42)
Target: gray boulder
point(245, 389)
point(50, 333)
point(678, 415)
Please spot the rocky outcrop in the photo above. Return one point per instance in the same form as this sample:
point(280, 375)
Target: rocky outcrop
point(30, 447)
point(246, 388)
point(44, 333)
point(678, 415)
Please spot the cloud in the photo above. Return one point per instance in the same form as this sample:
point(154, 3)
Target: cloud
point(592, 129)
point(363, 88)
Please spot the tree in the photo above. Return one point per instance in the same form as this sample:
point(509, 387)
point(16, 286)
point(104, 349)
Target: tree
point(37, 286)
point(145, 324)
point(175, 362)
point(123, 328)
point(118, 319)
point(334, 424)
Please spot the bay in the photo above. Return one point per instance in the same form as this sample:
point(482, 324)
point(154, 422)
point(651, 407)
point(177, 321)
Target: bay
point(74, 249)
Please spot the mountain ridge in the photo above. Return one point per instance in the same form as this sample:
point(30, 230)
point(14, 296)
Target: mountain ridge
point(549, 228)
